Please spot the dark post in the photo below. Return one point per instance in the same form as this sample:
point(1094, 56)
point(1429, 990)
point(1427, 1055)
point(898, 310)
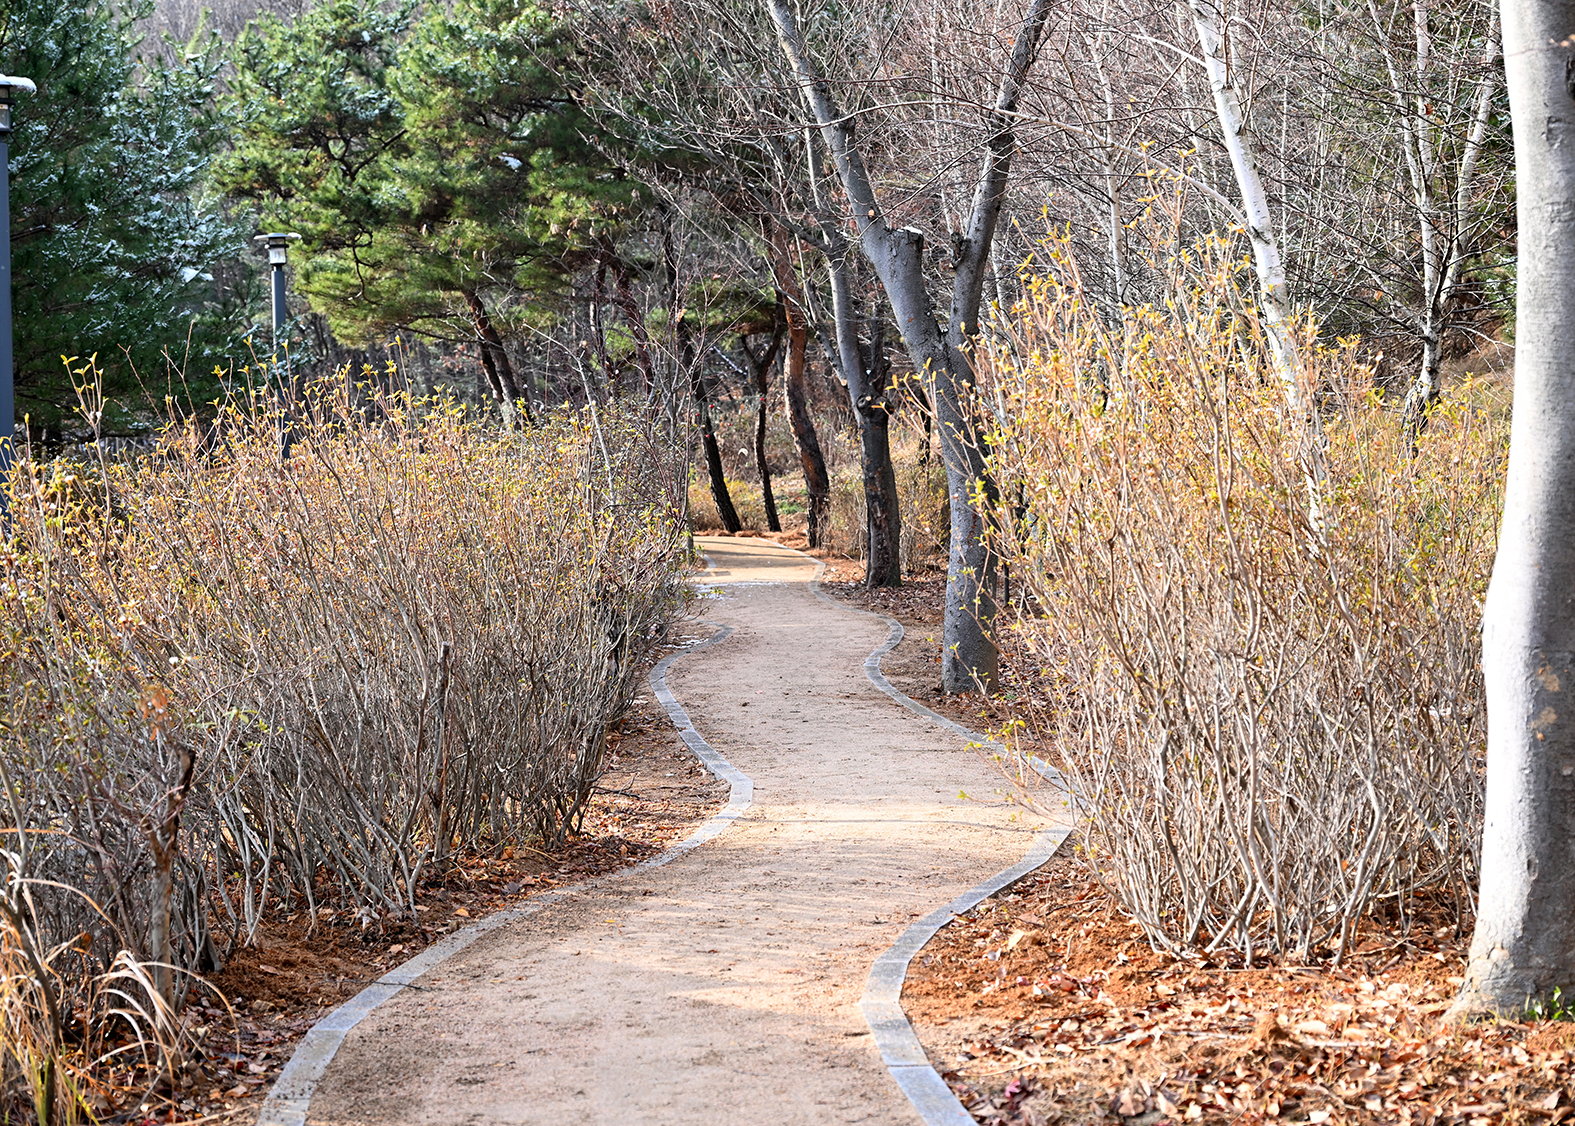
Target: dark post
point(278, 244)
point(280, 314)
point(8, 90)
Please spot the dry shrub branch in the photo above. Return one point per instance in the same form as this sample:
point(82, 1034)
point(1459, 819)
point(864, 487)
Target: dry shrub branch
point(1273, 728)
point(238, 680)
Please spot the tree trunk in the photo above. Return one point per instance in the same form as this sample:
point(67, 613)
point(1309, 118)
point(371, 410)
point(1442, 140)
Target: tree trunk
point(760, 369)
point(506, 369)
point(875, 411)
point(767, 498)
point(817, 482)
point(708, 442)
point(163, 831)
point(713, 459)
point(1274, 294)
point(1443, 238)
point(969, 657)
point(1524, 945)
point(882, 509)
point(495, 361)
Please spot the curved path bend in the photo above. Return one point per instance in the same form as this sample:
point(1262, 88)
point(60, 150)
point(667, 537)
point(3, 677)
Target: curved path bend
point(724, 987)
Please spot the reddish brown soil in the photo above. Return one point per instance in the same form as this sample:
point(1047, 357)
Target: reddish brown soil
point(300, 967)
point(1046, 1005)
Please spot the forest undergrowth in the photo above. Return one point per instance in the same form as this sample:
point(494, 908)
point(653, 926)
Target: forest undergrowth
point(291, 666)
point(1256, 634)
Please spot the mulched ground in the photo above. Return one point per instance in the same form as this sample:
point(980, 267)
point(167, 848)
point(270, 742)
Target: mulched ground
point(1046, 1005)
point(302, 966)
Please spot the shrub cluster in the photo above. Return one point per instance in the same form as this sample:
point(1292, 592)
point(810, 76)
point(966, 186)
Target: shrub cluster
point(1273, 720)
point(287, 663)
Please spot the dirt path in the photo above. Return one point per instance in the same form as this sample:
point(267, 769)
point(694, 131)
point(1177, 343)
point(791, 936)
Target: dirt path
point(724, 987)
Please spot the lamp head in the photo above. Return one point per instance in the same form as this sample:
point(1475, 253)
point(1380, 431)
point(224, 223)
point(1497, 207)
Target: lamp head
point(278, 245)
point(9, 88)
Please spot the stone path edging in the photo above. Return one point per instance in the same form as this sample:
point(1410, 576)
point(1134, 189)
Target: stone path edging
point(291, 1096)
point(881, 1004)
point(288, 1102)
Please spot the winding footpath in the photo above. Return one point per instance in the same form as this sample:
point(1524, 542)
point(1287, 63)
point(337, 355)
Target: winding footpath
point(724, 985)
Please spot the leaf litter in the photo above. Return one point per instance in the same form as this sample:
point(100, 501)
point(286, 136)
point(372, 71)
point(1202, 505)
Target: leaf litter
point(1046, 1005)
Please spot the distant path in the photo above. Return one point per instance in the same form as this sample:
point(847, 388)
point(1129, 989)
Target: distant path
point(722, 989)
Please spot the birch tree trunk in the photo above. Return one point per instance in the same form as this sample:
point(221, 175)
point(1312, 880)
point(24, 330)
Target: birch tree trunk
point(1524, 945)
point(1274, 295)
point(969, 659)
point(1443, 234)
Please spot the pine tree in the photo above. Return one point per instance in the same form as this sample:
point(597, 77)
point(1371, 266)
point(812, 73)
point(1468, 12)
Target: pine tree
point(437, 168)
point(114, 244)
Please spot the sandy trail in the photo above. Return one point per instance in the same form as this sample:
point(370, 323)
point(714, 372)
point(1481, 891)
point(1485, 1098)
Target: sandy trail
point(724, 987)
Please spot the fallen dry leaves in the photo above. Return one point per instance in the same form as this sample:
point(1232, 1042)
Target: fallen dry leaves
point(1044, 1005)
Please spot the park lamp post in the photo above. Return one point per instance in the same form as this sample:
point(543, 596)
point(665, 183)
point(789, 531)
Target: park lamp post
point(9, 88)
point(278, 244)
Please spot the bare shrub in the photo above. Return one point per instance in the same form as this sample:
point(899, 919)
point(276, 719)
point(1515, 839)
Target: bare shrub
point(240, 679)
point(926, 517)
point(1271, 729)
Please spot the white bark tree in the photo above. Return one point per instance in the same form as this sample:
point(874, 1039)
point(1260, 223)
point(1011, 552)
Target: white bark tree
point(1443, 178)
point(938, 352)
point(1524, 945)
point(1274, 291)
point(1275, 310)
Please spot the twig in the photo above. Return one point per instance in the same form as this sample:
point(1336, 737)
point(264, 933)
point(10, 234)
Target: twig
point(625, 793)
point(377, 981)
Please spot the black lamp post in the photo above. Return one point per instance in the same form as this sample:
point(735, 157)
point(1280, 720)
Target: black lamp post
point(9, 88)
point(278, 244)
